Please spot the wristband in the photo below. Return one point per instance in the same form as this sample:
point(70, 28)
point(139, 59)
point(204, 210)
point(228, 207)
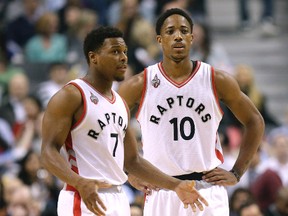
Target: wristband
point(235, 174)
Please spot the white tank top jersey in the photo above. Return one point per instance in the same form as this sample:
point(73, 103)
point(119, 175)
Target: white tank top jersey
point(94, 146)
point(179, 121)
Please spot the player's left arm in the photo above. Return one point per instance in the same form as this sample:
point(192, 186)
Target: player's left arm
point(245, 111)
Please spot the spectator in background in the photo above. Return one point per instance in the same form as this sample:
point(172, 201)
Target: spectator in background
point(198, 10)
point(6, 138)
point(54, 5)
point(204, 48)
point(86, 21)
point(238, 198)
point(18, 150)
point(7, 71)
point(244, 75)
point(100, 7)
point(41, 183)
point(68, 14)
point(58, 73)
point(22, 203)
point(250, 208)
point(280, 206)
point(267, 19)
point(278, 160)
point(34, 114)
point(47, 45)
point(27, 134)
point(11, 183)
point(13, 110)
point(263, 182)
point(22, 28)
point(162, 5)
point(138, 34)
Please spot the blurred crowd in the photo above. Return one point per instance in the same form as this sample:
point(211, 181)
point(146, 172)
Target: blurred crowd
point(41, 50)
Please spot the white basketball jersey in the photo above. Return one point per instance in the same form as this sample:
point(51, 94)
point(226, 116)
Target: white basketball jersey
point(94, 145)
point(179, 121)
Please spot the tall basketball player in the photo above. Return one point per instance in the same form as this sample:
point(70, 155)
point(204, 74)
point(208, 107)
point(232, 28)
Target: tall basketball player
point(179, 115)
point(89, 122)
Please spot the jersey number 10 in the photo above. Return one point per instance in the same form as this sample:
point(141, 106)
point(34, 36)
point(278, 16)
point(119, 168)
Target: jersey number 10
point(185, 134)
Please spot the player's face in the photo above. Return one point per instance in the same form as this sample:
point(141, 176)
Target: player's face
point(175, 38)
point(112, 59)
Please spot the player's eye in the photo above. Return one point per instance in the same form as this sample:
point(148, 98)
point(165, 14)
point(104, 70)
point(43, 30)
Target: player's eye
point(185, 31)
point(170, 31)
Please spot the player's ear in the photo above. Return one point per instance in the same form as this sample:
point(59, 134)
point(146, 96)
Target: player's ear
point(159, 39)
point(192, 37)
point(92, 57)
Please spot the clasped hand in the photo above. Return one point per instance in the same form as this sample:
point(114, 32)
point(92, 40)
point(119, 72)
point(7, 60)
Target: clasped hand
point(88, 190)
point(185, 190)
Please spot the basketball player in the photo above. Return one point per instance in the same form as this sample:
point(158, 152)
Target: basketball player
point(179, 115)
point(89, 122)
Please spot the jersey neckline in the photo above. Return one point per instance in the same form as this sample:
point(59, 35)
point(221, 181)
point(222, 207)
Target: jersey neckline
point(180, 84)
point(112, 100)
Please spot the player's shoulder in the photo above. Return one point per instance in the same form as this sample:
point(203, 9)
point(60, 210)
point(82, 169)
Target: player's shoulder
point(226, 84)
point(223, 76)
point(135, 81)
point(70, 91)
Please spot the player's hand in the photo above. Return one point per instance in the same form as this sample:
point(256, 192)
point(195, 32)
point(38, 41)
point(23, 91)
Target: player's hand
point(88, 190)
point(219, 176)
point(190, 196)
point(141, 185)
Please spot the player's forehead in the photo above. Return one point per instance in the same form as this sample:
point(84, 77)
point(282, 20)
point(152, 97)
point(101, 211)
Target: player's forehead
point(175, 21)
point(118, 42)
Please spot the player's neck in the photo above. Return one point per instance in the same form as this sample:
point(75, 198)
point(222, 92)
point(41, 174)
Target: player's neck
point(102, 86)
point(178, 70)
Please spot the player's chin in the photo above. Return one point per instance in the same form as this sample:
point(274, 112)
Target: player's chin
point(119, 78)
point(178, 57)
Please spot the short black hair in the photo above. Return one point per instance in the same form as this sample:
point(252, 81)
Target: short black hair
point(161, 19)
point(95, 39)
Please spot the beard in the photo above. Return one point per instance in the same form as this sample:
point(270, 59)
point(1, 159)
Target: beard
point(119, 79)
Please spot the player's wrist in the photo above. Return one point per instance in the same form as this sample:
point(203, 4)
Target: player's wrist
point(236, 174)
point(175, 184)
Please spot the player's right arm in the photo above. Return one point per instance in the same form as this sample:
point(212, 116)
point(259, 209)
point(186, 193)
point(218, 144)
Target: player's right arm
point(62, 111)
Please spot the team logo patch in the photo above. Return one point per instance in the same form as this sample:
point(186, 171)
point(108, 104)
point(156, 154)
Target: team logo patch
point(155, 81)
point(93, 98)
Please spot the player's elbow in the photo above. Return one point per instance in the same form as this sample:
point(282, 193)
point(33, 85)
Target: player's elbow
point(131, 163)
point(43, 160)
point(258, 123)
point(46, 157)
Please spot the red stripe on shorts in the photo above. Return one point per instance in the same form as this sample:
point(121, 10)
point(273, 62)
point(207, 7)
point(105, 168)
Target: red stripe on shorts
point(77, 204)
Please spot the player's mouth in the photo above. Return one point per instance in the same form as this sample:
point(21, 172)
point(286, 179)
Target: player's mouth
point(178, 46)
point(122, 68)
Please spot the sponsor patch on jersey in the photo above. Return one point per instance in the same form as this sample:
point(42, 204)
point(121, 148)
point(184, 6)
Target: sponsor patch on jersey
point(155, 81)
point(93, 98)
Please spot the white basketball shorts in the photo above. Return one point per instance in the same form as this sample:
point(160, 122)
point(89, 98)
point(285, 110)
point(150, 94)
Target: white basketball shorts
point(166, 202)
point(115, 200)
